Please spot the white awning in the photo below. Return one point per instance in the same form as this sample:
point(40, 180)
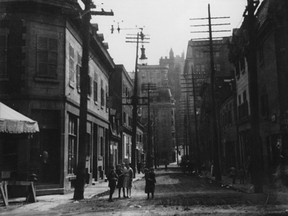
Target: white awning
point(12, 121)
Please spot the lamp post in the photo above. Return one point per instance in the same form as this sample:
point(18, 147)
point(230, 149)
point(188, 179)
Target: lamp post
point(135, 97)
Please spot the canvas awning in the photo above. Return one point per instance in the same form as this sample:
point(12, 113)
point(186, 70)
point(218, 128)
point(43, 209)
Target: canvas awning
point(12, 121)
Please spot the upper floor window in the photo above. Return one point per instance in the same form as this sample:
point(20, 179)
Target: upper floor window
point(197, 68)
point(71, 66)
point(89, 86)
point(244, 96)
point(102, 94)
point(202, 68)
point(95, 85)
point(78, 70)
point(3, 54)
point(47, 55)
point(242, 65)
point(106, 96)
point(217, 67)
point(124, 118)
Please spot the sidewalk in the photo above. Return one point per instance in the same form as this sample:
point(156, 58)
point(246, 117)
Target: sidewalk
point(47, 202)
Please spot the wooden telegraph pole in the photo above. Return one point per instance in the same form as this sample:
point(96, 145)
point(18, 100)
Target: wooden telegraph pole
point(81, 171)
point(214, 112)
point(256, 153)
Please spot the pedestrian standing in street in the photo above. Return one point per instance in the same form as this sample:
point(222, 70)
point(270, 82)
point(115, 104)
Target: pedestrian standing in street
point(119, 172)
point(150, 180)
point(130, 179)
point(233, 174)
point(112, 179)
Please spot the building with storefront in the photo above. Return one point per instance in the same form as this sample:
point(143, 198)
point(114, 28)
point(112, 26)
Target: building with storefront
point(40, 77)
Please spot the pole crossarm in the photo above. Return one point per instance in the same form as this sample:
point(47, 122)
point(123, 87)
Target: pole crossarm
point(102, 13)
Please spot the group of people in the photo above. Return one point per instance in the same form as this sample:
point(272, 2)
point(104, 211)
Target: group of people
point(122, 178)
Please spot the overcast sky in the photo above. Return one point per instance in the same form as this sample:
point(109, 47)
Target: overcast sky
point(167, 22)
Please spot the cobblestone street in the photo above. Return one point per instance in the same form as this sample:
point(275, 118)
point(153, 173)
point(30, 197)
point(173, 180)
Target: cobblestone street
point(176, 194)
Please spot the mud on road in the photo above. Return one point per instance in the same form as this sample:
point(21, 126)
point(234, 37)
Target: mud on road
point(176, 194)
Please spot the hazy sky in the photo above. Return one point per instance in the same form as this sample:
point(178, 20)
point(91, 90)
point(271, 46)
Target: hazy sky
point(167, 22)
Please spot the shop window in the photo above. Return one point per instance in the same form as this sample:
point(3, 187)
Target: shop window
point(72, 144)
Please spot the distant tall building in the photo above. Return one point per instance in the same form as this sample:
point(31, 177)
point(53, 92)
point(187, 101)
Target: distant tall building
point(175, 69)
point(153, 79)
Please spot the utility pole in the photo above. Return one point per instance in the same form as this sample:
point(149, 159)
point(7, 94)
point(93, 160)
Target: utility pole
point(135, 97)
point(214, 114)
point(214, 120)
point(81, 171)
point(256, 154)
point(149, 150)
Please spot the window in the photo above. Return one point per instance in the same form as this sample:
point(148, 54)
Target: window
point(78, 70)
point(3, 55)
point(237, 70)
point(239, 99)
point(95, 87)
point(202, 68)
point(244, 96)
point(106, 97)
point(47, 55)
point(71, 66)
point(89, 86)
point(102, 94)
point(72, 144)
point(217, 67)
point(197, 68)
point(124, 117)
point(242, 65)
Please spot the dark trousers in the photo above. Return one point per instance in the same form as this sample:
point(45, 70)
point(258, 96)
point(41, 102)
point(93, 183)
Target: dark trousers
point(112, 189)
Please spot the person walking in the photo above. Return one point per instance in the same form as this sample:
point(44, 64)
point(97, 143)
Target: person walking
point(119, 172)
point(150, 179)
point(112, 179)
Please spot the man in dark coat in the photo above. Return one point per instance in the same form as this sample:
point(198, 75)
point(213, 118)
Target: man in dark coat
point(112, 179)
point(119, 172)
point(150, 183)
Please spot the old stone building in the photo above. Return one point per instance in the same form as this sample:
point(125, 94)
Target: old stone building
point(41, 49)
